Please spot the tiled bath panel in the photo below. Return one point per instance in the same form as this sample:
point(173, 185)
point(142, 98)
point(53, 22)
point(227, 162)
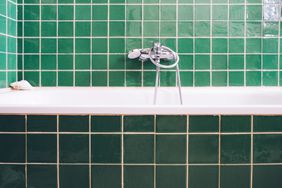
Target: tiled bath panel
point(85, 42)
point(152, 151)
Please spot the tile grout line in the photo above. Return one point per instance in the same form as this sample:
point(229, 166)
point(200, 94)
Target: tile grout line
point(122, 151)
point(74, 43)
point(194, 43)
point(155, 148)
point(58, 153)
point(125, 43)
point(211, 43)
point(90, 151)
point(57, 43)
point(278, 51)
point(6, 40)
point(26, 180)
point(187, 150)
point(40, 44)
point(108, 42)
point(252, 151)
point(91, 45)
point(219, 151)
point(245, 42)
point(228, 45)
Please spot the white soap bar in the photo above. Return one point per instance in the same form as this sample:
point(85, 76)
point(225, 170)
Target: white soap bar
point(21, 85)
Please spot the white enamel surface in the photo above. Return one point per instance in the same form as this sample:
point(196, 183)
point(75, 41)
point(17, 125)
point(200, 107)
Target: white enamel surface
point(88, 100)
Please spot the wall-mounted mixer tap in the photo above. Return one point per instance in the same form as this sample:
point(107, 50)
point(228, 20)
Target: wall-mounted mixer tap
point(155, 54)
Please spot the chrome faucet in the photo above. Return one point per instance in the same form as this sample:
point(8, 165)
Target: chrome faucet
point(155, 54)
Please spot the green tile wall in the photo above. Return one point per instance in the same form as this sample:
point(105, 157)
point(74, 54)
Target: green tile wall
point(153, 151)
point(8, 42)
point(85, 42)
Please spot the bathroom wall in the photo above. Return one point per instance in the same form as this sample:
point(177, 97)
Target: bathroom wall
point(8, 42)
point(85, 43)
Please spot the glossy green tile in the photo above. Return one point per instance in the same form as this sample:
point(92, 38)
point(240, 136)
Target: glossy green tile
point(82, 12)
point(82, 45)
point(253, 78)
point(116, 78)
point(133, 78)
point(235, 124)
point(31, 12)
point(270, 78)
point(82, 29)
point(65, 45)
point(48, 78)
point(74, 176)
point(99, 45)
point(270, 61)
point(253, 61)
point(38, 123)
point(202, 12)
point(48, 45)
point(202, 45)
point(74, 148)
point(236, 78)
point(267, 176)
point(254, 12)
point(48, 29)
point(139, 123)
point(235, 176)
point(99, 62)
point(203, 148)
point(270, 45)
point(65, 29)
point(235, 148)
point(106, 123)
point(267, 148)
point(171, 123)
point(12, 148)
point(171, 176)
point(42, 148)
point(253, 45)
point(138, 149)
point(99, 12)
point(31, 29)
point(134, 12)
point(99, 78)
point(219, 45)
point(106, 148)
point(117, 12)
point(171, 149)
point(65, 12)
point(202, 28)
point(106, 176)
point(202, 79)
point(203, 176)
point(74, 123)
point(203, 123)
point(12, 123)
point(48, 12)
point(65, 62)
point(17, 172)
point(138, 176)
point(32, 77)
point(37, 174)
point(267, 123)
point(236, 12)
point(82, 78)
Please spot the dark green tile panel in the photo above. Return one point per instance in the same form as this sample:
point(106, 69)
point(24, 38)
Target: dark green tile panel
point(267, 123)
point(12, 123)
point(171, 176)
point(235, 123)
point(74, 176)
point(138, 176)
point(138, 149)
point(74, 123)
point(74, 148)
point(12, 148)
point(267, 176)
point(106, 123)
point(235, 149)
point(41, 148)
point(203, 123)
point(203, 176)
point(106, 148)
point(37, 174)
point(37, 123)
point(139, 123)
point(268, 148)
point(12, 176)
point(235, 176)
point(171, 123)
point(203, 149)
point(106, 176)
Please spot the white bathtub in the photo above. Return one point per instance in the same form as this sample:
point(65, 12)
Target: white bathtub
point(212, 101)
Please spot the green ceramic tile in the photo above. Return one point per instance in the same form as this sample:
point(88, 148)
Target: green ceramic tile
point(117, 29)
point(202, 62)
point(219, 62)
point(31, 29)
point(186, 78)
point(99, 62)
point(82, 78)
point(235, 123)
point(267, 123)
point(82, 62)
point(138, 149)
point(267, 148)
point(106, 123)
point(106, 176)
point(202, 78)
point(99, 45)
point(254, 29)
point(99, 78)
point(219, 78)
point(185, 45)
point(270, 45)
point(253, 78)
point(38, 123)
point(82, 29)
point(236, 45)
point(48, 45)
point(74, 176)
point(31, 45)
point(236, 78)
point(65, 12)
point(31, 12)
point(270, 78)
point(219, 12)
point(82, 12)
point(74, 123)
point(12, 148)
point(117, 12)
point(15, 171)
point(171, 149)
point(202, 12)
point(171, 176)
point(42, 148)
point(235, 176)
point(116, 78)
point(219, 45)
point(168, 28)
point(48, 78)
point(171, 123)
point(65, 62)
point(253, 45)
point(134, 12)
point(32, 77)
point(12, 123)
point(235, 148)
point(270, 61)
point(65, 45)
point(138, 176)
point(65, 29)
point(99, 12)
point(267, 176)
point(202, 28)
point(168, 12)
point(270, 29)
point(203, 149)
point(253, 61)
point(254, 12)
point(236, 12)
point(48, 29)
point(202, 45)
point(133, 28)
point(74, 148)
point(82, 45)
point(48, 12)
point(185, 29)
point(149, 12)
point(203, 123)
point(133, 78)
point(139, 123)
point(36, 176)
point(185, 12)
point(106, 148)
point(203, 176)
